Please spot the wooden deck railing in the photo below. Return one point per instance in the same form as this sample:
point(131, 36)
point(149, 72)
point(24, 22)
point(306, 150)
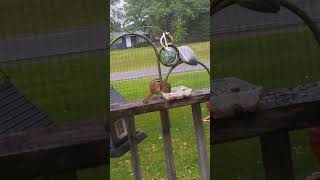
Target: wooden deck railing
point(57, 151)
point(133, 108)
point(67, 148)
point(278, 112)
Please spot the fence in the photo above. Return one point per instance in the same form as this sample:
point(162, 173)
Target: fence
point(130, 109)
point(278, 112)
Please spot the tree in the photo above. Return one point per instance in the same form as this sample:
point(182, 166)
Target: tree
point(173, 16)
point(116, 14)
point(180, 30)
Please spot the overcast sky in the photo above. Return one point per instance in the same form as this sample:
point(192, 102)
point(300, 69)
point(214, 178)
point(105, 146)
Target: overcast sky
point(118, 6)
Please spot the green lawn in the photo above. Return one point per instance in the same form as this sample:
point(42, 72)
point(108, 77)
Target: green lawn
point(274, 60)
point(73, 88)
point(18, 17)
point(145, 58)
point(151, 149)
point(69, 89)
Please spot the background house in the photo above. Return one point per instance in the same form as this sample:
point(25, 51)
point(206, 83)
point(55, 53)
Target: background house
point(128, 41)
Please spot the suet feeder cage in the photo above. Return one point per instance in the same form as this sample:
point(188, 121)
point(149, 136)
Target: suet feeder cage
point(119, 137)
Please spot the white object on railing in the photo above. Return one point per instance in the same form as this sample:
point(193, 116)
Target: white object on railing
point(236, 96)
point(177, 93)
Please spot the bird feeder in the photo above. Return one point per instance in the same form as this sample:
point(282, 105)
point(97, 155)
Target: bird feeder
point(169, 56)
point(118, 132)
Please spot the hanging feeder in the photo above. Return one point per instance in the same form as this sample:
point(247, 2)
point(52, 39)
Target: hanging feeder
point(119, 144)
point(169, 56)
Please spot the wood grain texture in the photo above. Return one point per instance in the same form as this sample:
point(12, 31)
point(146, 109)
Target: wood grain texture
point(54, 150)
point(279, 110)
point(156, 104)
point(168, 151)
point(201, 144)
point(135, 161)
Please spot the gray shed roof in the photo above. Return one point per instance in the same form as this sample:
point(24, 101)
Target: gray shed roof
point(116, 34)
point(17, 113)
point(115, 96)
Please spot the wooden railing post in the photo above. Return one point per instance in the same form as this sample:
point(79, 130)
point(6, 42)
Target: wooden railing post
point(276, 153)
point(200, 138)
point(133, 147)
point(165, 121)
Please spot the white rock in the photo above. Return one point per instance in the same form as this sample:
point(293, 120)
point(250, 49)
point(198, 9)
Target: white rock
point(177, 93)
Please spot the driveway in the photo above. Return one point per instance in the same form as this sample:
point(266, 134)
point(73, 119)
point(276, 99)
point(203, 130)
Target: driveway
point(154, 72)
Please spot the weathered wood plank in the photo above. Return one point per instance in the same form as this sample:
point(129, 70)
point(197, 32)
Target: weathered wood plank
point(276, 155)
point(232, 95)
point(200, 138)
point(284, 109)
point(155, 104)
point(165, 121)
point(135, 161)
point(53, 150)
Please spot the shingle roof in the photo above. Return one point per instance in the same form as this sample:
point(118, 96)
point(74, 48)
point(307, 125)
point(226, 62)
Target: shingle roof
point(17, 113)
point(116, 34)
point(115, 96)
point(119, 150)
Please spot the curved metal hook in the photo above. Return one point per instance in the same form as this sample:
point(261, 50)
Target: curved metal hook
point(217, 6)
point(149, 41)
point(141, 27)
point(173, 67)
point(307, 20)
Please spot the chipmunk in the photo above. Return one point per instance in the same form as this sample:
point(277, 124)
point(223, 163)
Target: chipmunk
point(156, 87)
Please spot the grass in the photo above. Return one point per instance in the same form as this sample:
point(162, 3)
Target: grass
point(69, 89)
point(273, 60)
point(138, 88)
point(151, 149)
point(73, 88)
point(64, 87)
point(145, 58)
point(19, 17)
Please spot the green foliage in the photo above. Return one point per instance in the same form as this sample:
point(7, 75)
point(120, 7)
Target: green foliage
point(169, 15)
point(180, 31)
point(116, 15)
